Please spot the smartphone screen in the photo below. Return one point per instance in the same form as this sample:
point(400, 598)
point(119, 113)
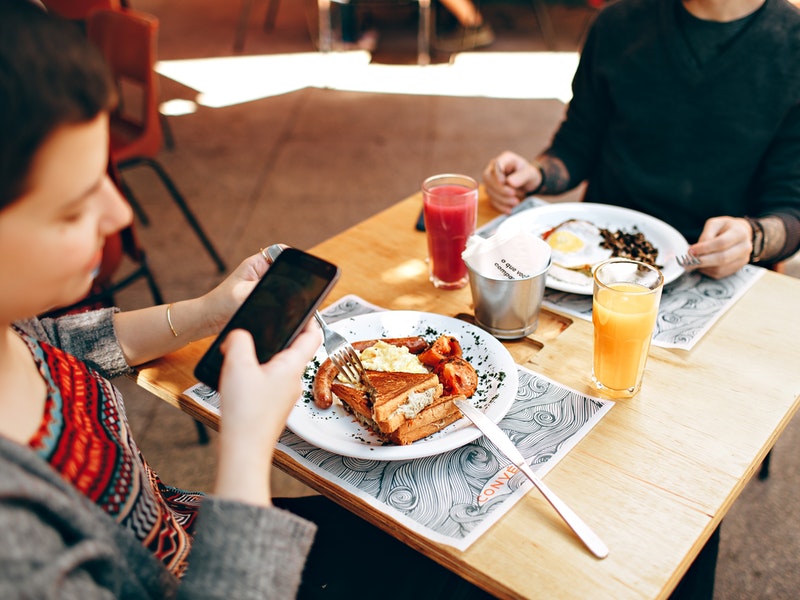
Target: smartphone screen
point(276, 310)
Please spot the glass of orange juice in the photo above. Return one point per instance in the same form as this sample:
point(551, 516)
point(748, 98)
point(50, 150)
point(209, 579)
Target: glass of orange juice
point(624, 310)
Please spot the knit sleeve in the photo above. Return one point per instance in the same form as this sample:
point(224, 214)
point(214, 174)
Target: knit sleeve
point(89, 336)
point(578, 138)
point(777, 188)
point(246, 552)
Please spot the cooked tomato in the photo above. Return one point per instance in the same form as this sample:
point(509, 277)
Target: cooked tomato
point(457, 376)
point(445, 346)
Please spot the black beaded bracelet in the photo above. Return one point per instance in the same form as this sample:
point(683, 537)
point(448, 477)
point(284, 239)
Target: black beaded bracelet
point(758, 239)
point(539, 187)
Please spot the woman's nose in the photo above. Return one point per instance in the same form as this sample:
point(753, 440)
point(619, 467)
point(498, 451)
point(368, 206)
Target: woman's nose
point(118, 211)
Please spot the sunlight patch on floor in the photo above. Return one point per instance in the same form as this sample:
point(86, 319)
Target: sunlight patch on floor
point(225, 81)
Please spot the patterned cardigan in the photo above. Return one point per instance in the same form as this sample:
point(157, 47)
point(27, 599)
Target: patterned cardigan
point(57, 543)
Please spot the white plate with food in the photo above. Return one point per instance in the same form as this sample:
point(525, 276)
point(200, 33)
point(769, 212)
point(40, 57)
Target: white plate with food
point(577, 237)
point(335, 430)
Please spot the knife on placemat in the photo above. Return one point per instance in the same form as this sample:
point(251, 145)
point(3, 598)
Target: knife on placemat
point(507, 447)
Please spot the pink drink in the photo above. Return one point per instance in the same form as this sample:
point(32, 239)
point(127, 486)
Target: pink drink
point(451, 210)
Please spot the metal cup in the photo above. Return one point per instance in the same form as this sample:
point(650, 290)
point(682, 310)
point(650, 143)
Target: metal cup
point(507, 308)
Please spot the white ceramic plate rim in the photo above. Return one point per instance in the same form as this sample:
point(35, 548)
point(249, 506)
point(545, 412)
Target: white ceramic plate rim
point(337, 431)
point(667, 240)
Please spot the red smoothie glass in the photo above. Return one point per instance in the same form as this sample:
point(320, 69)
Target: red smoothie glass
point(450, 204)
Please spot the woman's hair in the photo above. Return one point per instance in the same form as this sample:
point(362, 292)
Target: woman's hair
point(50, 76)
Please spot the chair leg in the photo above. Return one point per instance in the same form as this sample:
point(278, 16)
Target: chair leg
point(325, 36)
point(179, 200)
point(272, 14)
point(202, 433)
point(169, 139)
point(241, 26)
point(424, 35)
point(131, 198)
point(763, 472)
point(151, 281)
point(545, 23)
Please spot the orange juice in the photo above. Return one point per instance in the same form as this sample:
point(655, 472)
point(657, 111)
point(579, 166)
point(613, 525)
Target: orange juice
point(623, 315)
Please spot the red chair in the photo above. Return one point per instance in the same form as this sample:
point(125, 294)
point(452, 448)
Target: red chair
point(78, 10)
point(128, 40)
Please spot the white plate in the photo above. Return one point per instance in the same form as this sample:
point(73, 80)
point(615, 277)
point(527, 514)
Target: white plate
point(337, 431)
point(666, 239)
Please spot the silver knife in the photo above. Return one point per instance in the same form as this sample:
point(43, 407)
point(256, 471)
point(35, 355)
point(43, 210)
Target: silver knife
point(507, 447)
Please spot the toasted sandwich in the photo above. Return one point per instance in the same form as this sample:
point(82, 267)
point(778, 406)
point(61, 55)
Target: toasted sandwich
point(398, 407)
point(428, 421)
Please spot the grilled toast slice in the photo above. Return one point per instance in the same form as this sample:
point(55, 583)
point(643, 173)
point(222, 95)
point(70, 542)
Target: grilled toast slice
point(398, 407)
point(397, 397)
point(430, 420)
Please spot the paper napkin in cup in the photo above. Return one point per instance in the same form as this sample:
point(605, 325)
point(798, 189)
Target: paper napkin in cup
point(507, 255)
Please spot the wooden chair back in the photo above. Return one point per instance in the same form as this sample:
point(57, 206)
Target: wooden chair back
point(128, 40)
point(78, 10)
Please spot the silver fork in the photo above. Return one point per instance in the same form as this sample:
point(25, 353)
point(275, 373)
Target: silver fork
point(341, 352)
point(687, 260)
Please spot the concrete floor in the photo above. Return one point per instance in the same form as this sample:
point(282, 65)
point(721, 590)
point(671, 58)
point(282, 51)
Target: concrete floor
point(271, 151)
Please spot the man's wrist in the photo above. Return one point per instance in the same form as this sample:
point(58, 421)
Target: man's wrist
point(537, 165)
point(757, 240)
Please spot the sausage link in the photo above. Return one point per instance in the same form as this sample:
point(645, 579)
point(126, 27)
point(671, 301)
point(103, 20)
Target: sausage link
point(326, 373)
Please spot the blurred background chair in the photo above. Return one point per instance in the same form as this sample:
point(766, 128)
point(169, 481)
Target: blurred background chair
point(325, 36)
point(324, 33)
point(78, 10)
point(244, 18)
point(128, 40)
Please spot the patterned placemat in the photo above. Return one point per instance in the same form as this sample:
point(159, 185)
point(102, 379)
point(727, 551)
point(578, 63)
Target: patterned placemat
point(453, 497)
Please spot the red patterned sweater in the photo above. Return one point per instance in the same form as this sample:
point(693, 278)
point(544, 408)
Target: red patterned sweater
point(84, 435)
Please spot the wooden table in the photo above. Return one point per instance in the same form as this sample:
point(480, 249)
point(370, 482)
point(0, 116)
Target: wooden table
point(654, 478)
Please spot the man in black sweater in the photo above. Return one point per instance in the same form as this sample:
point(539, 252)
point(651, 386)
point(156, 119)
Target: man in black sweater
point(688, 110)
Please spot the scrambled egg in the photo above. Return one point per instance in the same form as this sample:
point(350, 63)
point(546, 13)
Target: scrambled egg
point(386, 357)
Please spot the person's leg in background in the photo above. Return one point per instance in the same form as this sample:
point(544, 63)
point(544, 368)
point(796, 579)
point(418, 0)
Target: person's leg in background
point(352, 36)
point(472, 31)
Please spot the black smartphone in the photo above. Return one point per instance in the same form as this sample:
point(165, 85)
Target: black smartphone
point(276, 310)
point(420, 224)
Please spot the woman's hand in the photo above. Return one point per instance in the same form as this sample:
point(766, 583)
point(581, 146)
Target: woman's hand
point(221, 302)
point(151, 332)
point(256, 401)
point(508, 178)
point(723, 247)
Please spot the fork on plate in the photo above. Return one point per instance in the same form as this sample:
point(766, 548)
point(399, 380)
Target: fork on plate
point(687, 260)
point(341, 352)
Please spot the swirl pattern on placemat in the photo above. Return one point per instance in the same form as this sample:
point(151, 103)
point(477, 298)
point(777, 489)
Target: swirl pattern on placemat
point(442, 497)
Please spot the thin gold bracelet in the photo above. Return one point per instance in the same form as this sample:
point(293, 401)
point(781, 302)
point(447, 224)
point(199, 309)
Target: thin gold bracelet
point(169, 320)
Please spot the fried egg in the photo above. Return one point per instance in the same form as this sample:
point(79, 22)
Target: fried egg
point(577, 244)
